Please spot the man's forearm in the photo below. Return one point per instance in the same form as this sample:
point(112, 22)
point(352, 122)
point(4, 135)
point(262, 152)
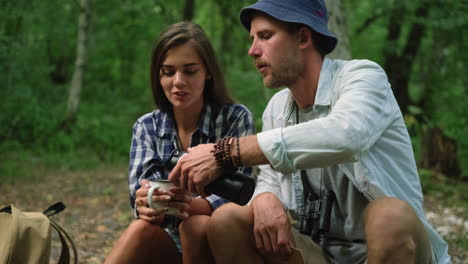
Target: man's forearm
point(250, 152)
point(269, 198)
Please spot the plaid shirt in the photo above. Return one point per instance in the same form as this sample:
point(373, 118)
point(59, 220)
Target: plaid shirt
point(155, 137)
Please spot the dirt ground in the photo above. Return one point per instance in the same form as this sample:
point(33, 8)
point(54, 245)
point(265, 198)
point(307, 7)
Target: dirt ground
point(98, 209)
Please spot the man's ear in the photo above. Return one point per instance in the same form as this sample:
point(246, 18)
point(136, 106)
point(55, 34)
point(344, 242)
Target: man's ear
point(305, 37)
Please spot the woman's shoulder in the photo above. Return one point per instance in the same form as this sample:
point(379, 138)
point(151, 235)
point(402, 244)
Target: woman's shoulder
point(234, 110)
point(151, 119)
point(155, 114)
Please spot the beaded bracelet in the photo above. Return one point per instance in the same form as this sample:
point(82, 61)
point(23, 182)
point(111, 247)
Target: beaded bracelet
point(222, 153)
point(236, 161)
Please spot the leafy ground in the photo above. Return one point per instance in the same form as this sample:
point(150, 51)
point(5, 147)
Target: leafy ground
point(98, 209)
point(97, 205)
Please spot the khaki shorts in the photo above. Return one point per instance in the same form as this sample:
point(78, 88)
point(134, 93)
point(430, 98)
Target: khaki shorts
point(311, 252)
point(308, 252)
point(305, 252)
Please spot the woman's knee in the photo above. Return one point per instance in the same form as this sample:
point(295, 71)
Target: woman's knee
point(142, 229)
point(142, 241)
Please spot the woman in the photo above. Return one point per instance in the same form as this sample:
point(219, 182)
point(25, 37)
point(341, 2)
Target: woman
point(193, 107)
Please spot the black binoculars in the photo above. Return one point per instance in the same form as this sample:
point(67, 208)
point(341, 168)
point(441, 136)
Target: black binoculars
point(232, 186)
point(315, 219)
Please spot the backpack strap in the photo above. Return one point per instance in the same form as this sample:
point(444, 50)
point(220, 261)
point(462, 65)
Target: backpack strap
point(54, 209)
point(65, 239)
point(6, 209)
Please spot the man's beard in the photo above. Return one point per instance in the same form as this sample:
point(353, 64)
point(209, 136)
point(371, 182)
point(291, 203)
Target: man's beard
point(284, 73)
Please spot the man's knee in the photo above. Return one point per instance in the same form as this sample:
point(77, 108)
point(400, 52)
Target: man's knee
point(228, 218)
point(230, 231)
point(388, 212)
point(391, 226)
point(195, 226)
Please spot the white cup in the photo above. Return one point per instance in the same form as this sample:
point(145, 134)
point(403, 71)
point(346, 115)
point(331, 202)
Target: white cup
point(165, 185)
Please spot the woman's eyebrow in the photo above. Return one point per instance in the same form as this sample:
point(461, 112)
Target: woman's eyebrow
point(192, 64)
point(185, 65)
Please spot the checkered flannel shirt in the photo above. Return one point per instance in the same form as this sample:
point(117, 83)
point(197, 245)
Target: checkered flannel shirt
point(155, 137)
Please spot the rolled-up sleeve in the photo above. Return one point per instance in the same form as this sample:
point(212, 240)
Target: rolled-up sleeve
point(269, 181)
point(273, 146)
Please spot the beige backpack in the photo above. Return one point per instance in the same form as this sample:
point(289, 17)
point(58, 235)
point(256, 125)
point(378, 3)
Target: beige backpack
point(25, 237)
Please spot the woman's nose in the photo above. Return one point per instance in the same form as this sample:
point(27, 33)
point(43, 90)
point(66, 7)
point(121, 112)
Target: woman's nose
point(179, 80)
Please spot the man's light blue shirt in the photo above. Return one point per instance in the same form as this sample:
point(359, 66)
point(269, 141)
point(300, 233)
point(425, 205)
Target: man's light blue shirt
point(363, 132)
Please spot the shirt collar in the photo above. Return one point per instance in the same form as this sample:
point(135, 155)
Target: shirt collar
point(324, 89)
point(167, 123)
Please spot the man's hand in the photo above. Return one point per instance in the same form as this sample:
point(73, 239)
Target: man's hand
point(196, 169)
point(272, 229)
point(181, 200)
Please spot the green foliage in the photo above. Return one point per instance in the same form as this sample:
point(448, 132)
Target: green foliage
point(37, 56)
point(438, 84)
point(449, 192)
point(248, 90)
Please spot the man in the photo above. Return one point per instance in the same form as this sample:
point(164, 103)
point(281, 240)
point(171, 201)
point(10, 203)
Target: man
point(334, 139)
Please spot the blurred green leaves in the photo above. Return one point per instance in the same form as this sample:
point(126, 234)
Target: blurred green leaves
point(37, 53)
point(438, 80)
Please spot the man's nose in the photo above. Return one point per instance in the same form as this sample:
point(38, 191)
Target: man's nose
point(254, 50)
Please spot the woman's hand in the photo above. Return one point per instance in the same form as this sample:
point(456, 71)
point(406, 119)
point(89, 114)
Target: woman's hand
point(155, 216)
point(175, 197)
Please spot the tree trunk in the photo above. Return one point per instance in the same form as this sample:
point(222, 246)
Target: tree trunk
point(337, 24)
point(230, 20)
point(77, 79)
point(439, 153)
point(188, 10)
point(399, 64)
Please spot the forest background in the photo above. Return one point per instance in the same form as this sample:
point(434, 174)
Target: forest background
point(75, 77)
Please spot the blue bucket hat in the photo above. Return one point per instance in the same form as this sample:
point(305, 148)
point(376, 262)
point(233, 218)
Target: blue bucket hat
point(312, 13)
